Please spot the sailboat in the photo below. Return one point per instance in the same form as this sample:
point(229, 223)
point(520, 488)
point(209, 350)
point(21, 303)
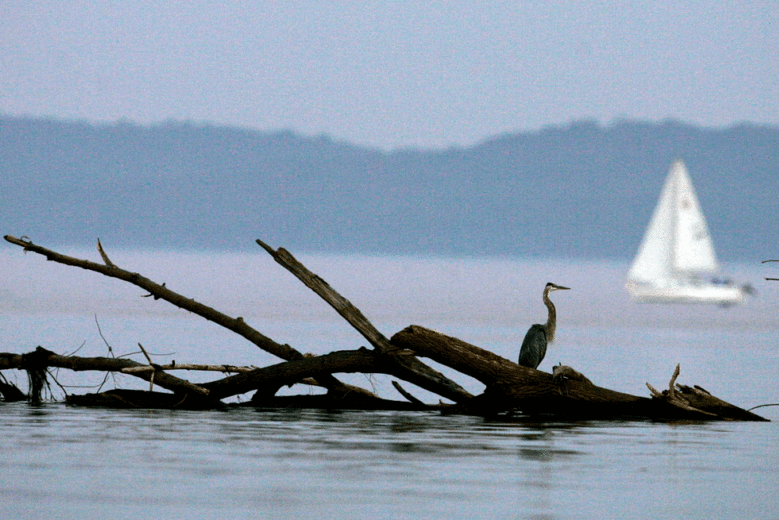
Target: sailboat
point(676, 260)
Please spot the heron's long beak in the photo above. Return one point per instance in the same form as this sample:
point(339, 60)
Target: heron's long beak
point(563, 288)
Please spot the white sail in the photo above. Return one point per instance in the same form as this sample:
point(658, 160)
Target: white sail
point(693, 249)
point(654, 259)
point(677, 252)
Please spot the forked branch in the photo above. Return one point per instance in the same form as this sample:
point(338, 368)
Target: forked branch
point(160, 291)
point(406, 367)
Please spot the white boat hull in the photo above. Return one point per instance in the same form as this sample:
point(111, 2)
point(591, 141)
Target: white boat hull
point(723, 294)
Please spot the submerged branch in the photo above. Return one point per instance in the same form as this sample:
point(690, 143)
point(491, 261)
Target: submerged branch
point(48, 358)
point(410, 398)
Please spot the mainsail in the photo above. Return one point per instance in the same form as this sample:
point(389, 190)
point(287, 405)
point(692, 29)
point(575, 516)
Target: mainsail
point(677, 241)
point(676, 258)
point(694, 250)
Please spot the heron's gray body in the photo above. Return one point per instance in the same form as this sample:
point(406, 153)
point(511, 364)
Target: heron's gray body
point(539, 336)
point(533, 347)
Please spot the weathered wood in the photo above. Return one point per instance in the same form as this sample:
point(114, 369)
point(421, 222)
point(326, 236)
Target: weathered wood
point(407, 367)
point(47, 358)
point(159, 291)
point(142, 399)
point(344, 307)
point(346, 402)
point(10, 393)
point(269, 379)
point(228, 369)
point(291, 372)
point(266, 381)
point(402, 391)
point(562, 374)
point(482, 365)
point(286, 373)
point(508, 387)
point(511, 386)
point(699, 399)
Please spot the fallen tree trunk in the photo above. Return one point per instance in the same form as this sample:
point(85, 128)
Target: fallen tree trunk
point(514, 387)
point(509, 388)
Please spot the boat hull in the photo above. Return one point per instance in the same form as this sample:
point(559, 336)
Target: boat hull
point(722, 294)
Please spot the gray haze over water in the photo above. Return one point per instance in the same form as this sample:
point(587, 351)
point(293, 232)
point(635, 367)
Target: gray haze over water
point(580, 191)
point(392, 75)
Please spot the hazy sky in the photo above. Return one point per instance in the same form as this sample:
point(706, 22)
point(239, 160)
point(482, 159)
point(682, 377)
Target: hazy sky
point(392, 73)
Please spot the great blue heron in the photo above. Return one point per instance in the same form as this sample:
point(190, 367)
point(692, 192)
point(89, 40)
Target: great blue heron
point(539, 336)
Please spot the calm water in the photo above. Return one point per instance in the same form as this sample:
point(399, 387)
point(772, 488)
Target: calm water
point(66, 462)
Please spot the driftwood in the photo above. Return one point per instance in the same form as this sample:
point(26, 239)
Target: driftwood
point(45, 358)
point(510, 390)
point(11, 393)
point(566, 394)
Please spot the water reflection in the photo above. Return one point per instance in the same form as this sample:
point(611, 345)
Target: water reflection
point(349, 464)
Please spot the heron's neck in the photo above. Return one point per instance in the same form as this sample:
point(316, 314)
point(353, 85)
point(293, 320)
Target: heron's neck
point(551, 322)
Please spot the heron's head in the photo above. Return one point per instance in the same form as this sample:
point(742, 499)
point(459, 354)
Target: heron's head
point(554, 287)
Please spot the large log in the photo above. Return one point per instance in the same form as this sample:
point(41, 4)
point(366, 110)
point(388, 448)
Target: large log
point(512, 387)
point(509, 387)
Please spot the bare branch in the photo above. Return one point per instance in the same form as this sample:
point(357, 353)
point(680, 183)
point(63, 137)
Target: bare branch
point(159, 291)
point(343, 306)
point(104, 256)
point(672, 383)
point(291, 372)
point(408, 367)
point(227, 369)
point(51, 359)
point(405, 394)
